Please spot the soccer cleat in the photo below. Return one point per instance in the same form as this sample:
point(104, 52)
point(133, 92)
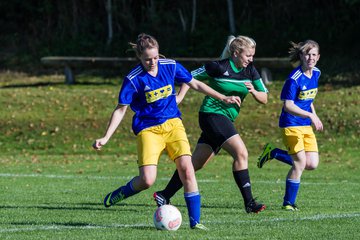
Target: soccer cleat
point(200, 226)
point(254, 207)
point(290, 207)
point(160, 199)
point(266, 155)
point(113, 197)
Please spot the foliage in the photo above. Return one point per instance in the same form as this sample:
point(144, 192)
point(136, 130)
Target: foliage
point(33, 29)
point(44, 114)
point(53, 183)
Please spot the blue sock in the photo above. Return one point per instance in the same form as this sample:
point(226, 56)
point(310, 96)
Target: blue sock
point(292, 188)
point(128, 189)
point(193, 202)
point(282, 156)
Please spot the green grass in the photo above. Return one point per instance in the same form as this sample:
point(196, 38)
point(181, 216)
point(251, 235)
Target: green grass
point(52, 183)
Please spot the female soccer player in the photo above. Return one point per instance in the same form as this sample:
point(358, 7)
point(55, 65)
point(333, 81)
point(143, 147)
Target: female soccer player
point(149, 90)
point(297, 114)
point(234, 74)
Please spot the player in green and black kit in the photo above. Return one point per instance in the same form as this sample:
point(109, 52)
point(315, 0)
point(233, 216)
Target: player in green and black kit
point(233, 75)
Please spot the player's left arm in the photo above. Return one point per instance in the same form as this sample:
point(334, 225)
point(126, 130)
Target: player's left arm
point(203, 88)
point(292, 108)
point(314, 112)
point(259, 94)
point(313, 108)
point(182, 92)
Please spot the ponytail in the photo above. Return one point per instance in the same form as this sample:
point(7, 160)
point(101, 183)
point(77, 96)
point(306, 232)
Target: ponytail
point(226, 52)
point(237, 44)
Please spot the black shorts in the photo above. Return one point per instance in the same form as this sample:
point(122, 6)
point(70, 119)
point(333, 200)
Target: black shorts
point(216, 129)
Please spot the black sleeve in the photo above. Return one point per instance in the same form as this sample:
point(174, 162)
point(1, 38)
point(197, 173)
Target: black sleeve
point(214, 69)
point(254, 73)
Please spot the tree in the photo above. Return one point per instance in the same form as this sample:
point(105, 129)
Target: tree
point(231, 17)
point(109, 22)
point(193, 18)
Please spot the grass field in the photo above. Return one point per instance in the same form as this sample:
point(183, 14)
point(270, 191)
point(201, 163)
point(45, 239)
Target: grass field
point(52, 183)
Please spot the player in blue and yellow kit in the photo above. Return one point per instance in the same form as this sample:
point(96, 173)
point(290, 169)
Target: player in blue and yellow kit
point(297, 115)
point(234, 74)
point(149, 90)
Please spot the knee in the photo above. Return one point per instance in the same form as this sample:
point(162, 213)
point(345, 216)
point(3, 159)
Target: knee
point(147, 182)
point(189, 173)
point(242, 157)
point(311, 166)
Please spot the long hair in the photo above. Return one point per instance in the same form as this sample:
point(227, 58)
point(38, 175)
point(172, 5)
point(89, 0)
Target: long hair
point(237, 44)
point(301, 48)
point(143, 42)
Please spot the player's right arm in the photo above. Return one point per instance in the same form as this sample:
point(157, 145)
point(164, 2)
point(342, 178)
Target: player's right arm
point(115, 119)
point(203, 88)
point(211, 69)
point(290, 107)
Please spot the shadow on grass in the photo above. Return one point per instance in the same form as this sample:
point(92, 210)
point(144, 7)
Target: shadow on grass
point(100, 207)
point(46, 84)
point(54, 225)
point(97, 207)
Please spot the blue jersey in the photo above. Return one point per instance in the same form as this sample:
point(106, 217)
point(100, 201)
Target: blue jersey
point(302, 90)
point(153, 99)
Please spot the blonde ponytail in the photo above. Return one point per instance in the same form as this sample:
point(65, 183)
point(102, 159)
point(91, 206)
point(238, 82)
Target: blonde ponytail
point(226, 52)
point(238, 44)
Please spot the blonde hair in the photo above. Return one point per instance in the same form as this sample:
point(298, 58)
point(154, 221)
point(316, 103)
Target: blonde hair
point(301, 48)
point(143, 42)
point(237, 44)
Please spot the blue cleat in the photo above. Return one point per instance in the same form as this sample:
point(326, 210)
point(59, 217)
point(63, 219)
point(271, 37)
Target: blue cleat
point(113, 197)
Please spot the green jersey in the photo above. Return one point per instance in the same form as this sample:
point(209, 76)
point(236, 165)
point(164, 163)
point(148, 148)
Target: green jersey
point(226, 78)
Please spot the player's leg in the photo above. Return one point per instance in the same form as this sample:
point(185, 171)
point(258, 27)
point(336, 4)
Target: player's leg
point(186, 173)
point(302, 142)
point(237, 149)
point(312, 160)
point(311, 149)
point(202, 154)
point(293, 138)
point(150, 145)
point(191, 192)
point(293, 181)
point(146, 178)
point(178, 149)
point(271, 152)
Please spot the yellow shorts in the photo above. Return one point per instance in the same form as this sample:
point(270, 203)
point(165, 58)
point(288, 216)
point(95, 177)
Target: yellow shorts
point(152, 141)
point(299, 138)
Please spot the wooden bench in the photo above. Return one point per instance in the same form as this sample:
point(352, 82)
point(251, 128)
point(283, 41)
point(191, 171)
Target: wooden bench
point(69, 63)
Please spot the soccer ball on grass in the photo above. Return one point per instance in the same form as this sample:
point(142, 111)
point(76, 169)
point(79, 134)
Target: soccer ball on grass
point(167, 217)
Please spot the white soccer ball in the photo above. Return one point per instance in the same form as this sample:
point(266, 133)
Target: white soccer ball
point(167, 217)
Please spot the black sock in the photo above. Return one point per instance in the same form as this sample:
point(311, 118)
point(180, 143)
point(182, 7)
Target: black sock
point(242, 179)
point(173, 186)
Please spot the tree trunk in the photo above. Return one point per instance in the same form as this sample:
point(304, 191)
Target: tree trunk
point(231, 16)
point(182, 20)
point(109, 22)
point(193, 16)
